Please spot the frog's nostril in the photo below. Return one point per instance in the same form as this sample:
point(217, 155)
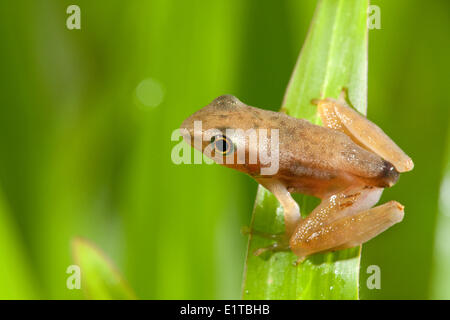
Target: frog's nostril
point(389, 174)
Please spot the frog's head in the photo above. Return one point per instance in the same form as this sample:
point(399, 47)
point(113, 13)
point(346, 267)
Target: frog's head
point(221, 132)
point(221, 113)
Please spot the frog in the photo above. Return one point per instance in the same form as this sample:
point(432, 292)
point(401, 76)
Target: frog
point(347, 163)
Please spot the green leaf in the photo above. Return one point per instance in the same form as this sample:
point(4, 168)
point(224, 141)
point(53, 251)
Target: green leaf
point(100, 279)
point(16, 279)
point(440, 281)
point(334, 57)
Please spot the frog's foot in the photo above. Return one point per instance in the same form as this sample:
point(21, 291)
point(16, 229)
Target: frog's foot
point(343, 95)
point(282, 245)
point(299, 261)
point(342, 98)
point(281, 242)
point(246, 230)
point(280, 237)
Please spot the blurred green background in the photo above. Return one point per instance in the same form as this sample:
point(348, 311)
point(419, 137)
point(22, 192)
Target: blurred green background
point(85, 149)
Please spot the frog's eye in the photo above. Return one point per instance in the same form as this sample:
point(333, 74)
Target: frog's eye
point(222, 145)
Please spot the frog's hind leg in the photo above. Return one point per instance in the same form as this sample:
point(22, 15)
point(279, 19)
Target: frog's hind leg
point(344, 220)
point(338, 115)
point(368, 224)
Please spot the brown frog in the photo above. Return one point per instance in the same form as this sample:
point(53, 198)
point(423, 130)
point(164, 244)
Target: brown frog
point(346, 163)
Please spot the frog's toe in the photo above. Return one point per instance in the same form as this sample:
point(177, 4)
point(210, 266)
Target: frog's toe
point(281, 240)
point(299, 260)
point(246, 230)
point(280, 237)
point(274, 247)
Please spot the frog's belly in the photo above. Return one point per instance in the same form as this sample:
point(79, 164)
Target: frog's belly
point(320, 186)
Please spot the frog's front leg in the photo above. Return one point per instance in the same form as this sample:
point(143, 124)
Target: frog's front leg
point(344, 220)
point(290, 207)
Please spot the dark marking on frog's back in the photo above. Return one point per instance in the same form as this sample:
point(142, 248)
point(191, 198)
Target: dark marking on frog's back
point(257, 113)
point(292, 130)
point(274, 118)
point(226, 102)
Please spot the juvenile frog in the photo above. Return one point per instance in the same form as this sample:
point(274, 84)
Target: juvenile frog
point(346, 163)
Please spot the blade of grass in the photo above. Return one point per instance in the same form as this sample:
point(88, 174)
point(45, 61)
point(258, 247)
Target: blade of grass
point(333, 57)
point(440, 282)
point(100, 279)
point(16, 280)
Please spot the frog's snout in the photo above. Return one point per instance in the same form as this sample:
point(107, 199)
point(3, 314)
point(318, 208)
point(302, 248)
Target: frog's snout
point(389, 175)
